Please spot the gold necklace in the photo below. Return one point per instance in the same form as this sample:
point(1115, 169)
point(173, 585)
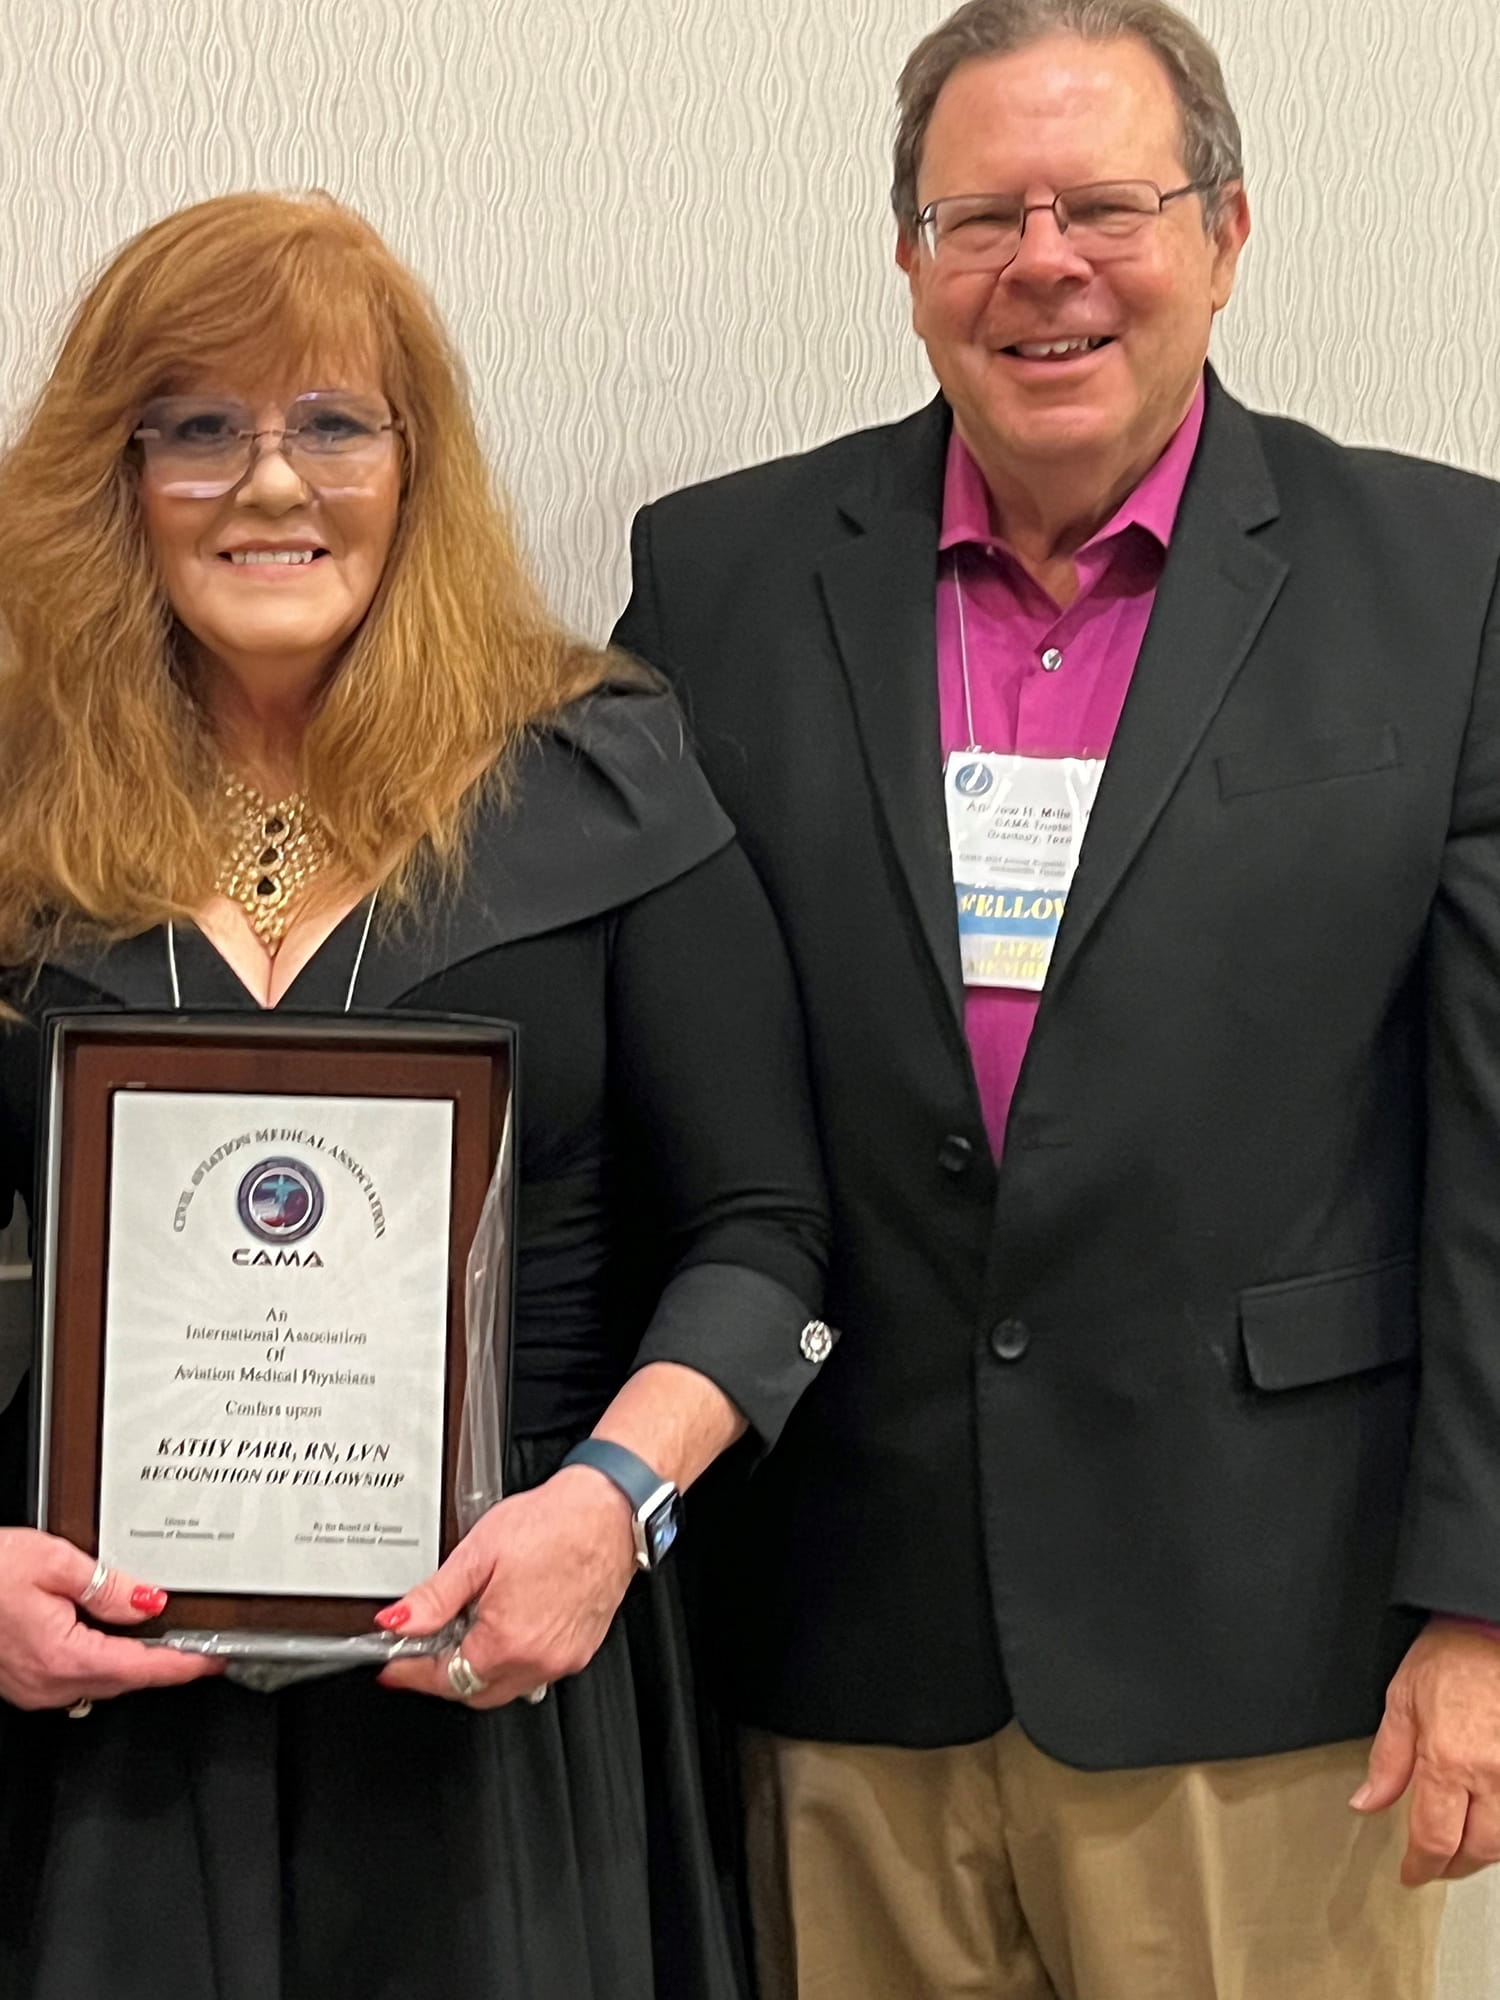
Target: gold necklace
point(274, 852)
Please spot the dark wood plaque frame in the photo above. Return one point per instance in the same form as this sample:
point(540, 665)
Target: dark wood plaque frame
point(90, 1057)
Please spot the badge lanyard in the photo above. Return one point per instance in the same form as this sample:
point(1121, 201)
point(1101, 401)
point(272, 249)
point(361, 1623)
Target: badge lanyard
point(1015, 830)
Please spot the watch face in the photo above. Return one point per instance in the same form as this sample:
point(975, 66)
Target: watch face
point(661, 1527)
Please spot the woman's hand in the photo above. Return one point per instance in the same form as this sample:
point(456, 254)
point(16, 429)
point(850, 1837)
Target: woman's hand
point(48, 1657)
point(545, 1570)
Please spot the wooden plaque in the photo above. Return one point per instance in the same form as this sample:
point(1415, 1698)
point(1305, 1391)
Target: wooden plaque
point(128, 1100)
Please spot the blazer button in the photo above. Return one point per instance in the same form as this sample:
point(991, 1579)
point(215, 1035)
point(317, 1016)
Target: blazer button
point(1010, 1339)
point(956, 1154)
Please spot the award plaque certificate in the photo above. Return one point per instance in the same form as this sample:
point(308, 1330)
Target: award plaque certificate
point(276, 1306)
point(254, 1245)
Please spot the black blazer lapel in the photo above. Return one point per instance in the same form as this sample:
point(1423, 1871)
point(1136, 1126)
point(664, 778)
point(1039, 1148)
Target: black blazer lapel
point(1216, 590)
point(880, 591)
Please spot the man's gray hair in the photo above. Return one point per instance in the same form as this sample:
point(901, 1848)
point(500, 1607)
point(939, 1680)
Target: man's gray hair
point(1210, 130)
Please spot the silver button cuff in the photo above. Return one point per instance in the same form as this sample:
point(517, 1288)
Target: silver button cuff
point(816, 1342)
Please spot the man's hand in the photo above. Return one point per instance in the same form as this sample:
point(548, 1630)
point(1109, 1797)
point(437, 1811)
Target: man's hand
point(1441, 1736)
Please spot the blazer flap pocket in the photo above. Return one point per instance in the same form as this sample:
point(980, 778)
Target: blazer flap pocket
point(1308, 1330)
point(1279, 765)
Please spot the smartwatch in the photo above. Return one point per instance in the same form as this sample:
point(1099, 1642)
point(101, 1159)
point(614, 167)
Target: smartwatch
point(656, 1505)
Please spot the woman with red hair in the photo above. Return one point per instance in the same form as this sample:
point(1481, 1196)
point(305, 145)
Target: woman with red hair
point(252, 571)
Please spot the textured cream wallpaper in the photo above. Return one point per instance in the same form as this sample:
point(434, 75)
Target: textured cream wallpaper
point(658, 229)
point(657, 226)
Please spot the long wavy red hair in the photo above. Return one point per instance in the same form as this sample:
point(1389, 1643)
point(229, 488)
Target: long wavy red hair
point(107, 772)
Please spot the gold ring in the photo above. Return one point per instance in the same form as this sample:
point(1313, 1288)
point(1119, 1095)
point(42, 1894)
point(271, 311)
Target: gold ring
point(80, 1709)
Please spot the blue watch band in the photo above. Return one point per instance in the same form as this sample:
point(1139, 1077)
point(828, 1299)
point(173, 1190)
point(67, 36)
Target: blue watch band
point(629, 1472)
point(655, 1503)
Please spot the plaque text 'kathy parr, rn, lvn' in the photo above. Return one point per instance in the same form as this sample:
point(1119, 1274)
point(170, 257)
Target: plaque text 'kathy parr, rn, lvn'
point(275, 1341)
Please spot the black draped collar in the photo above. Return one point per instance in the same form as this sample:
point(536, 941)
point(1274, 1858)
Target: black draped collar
point(604, 805)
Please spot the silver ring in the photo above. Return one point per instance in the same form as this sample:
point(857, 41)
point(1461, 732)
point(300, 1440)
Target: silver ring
point(538, 1694)
point(95, 1583)
point(462, 1678)
point(80, 1709)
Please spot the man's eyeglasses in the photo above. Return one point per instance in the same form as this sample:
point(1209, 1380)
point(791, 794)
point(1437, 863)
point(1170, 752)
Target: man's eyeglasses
point(982, 232)
point(199, 447)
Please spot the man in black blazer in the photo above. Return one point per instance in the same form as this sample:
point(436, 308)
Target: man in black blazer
point(1163, 1448)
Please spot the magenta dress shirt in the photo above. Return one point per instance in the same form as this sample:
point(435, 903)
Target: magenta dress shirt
point(1043, 681)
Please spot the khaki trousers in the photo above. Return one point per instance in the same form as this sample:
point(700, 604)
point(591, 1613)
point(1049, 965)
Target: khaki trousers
point(993, 1872)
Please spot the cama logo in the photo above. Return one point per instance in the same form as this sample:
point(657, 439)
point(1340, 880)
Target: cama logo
point(973, 780)
point(280, 1202)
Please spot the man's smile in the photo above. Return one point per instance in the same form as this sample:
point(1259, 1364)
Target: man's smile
point(1061, 348)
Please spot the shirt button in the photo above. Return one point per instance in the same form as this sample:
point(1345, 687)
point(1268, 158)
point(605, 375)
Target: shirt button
point(956, 1154)
point(1010, 1339)
point(1051, 660)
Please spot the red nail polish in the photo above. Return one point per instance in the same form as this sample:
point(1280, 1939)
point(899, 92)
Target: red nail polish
point(144, 1598)
point(393, 1617)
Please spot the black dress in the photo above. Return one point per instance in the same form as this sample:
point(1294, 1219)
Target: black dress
point(340, 1839)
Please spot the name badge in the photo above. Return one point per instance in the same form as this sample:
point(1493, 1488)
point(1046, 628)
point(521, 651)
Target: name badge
point(1015, 827)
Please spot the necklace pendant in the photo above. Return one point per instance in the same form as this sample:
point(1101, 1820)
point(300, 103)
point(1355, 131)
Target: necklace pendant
point(273, 851)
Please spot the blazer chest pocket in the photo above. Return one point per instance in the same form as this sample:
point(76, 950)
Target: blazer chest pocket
point(1279, 766)
point(1308, 1330)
